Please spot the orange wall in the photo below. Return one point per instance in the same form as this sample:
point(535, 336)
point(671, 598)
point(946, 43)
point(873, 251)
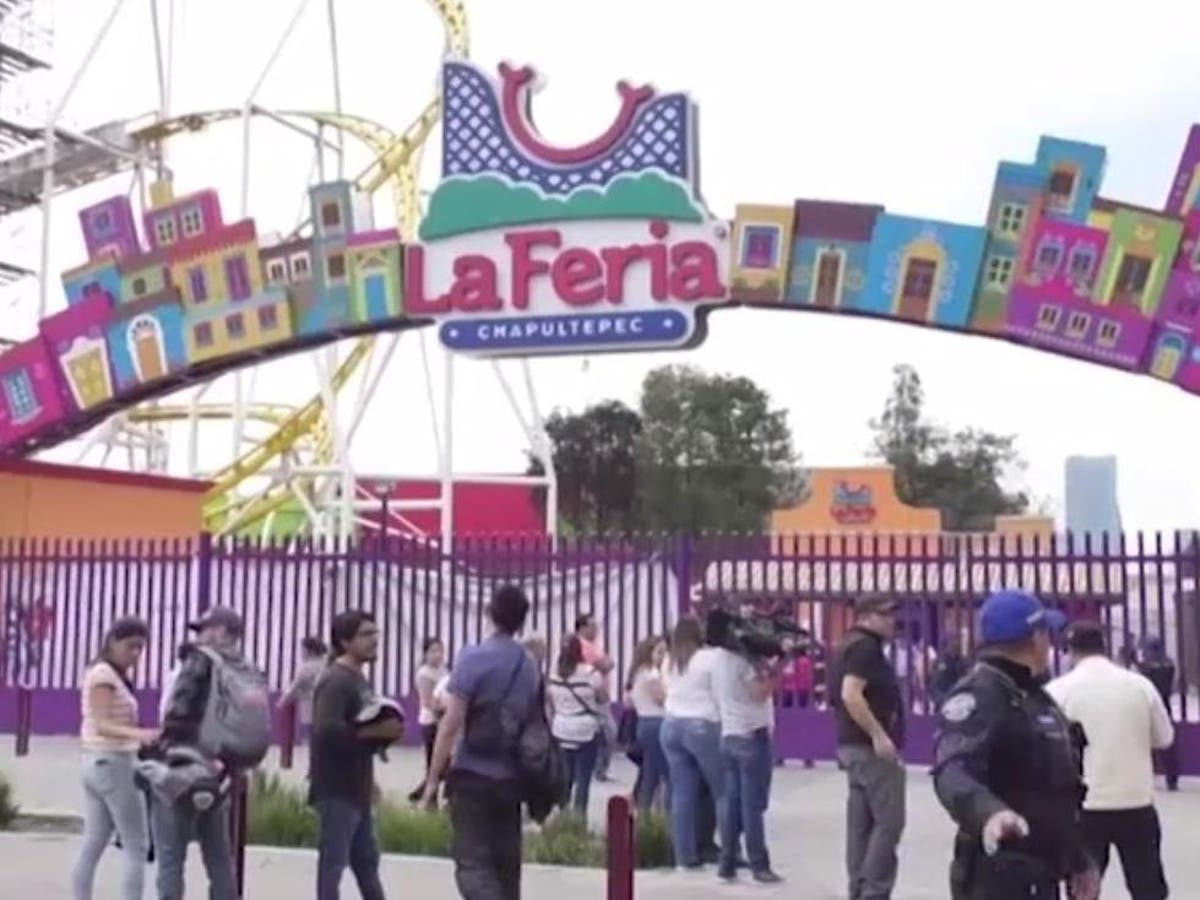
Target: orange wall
point(818, 514)
point(43, 500)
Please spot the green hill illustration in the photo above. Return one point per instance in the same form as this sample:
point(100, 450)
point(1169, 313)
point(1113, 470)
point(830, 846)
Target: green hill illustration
point(460, 206)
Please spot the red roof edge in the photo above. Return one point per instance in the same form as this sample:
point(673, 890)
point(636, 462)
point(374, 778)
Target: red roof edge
point(102, 476)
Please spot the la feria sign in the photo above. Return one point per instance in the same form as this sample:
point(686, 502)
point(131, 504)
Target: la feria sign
point(528, 248)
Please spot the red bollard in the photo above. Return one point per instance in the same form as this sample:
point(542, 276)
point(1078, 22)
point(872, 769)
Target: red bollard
point(621, 849)
point(239, 794)
point(287, 740)
point(24, 719)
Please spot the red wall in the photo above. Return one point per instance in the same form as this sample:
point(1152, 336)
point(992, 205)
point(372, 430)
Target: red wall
point(479, 508)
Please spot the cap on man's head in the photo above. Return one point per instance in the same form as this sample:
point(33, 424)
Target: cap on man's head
point(874, 605)
point(223, 616)
point(1009, 616)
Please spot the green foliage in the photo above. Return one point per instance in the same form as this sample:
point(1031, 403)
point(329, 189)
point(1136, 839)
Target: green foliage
point(595, 457)
point(278, 814)
point(402, 829)
point(713, 455)
point(9, 810)
point(461, 205)
point(565, 840)
point(960, 473)
point(653, 840)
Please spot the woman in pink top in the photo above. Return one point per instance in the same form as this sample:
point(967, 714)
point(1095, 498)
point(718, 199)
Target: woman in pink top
point(110, 738)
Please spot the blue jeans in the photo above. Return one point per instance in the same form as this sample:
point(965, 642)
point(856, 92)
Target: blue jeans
point(111, 802)
point(654, 762)
point(581, 765)
point(693, 752)
point(174, 827)
point(748, 762)
point(346, 836)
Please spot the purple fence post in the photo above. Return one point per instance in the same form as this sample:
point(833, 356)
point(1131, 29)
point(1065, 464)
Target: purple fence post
point(204, 560)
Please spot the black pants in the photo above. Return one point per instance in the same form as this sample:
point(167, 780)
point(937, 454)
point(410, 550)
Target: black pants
point(1168, 762)
point(486, 817)
point(1136, 835)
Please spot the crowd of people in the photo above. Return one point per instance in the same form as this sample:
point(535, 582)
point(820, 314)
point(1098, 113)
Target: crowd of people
point(1043, 776)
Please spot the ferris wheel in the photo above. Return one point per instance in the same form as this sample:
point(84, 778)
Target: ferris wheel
point(288, 468)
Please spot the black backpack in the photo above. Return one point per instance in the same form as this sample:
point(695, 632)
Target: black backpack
point(541, 765)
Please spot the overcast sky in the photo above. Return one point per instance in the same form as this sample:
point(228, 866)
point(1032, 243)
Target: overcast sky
point(905, 104)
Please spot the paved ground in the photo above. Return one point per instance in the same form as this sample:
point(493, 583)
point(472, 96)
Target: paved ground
point(805, 836)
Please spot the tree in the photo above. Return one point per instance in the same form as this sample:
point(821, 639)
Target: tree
point(594, 454)
point(960, 473)
point(713, 454)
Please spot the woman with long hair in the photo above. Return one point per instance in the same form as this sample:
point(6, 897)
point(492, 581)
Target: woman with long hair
point(429, 675)
point(577, 696)
point(110, 739)
point(647, 695)
point(691, 736)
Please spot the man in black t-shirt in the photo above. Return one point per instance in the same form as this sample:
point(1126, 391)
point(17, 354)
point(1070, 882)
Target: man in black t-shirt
point(869, 711)
point(341, 769)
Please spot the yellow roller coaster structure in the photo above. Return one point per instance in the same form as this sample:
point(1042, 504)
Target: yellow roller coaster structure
point(396, 160)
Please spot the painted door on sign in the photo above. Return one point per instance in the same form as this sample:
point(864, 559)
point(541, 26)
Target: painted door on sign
point(237, 277)
point(829, 274)
point(375, 288)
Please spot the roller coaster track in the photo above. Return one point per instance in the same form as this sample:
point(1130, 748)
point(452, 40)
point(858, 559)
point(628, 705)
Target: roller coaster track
point(397, 159)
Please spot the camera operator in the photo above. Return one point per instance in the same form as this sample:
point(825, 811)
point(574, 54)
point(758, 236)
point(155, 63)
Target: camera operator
point(745, 686)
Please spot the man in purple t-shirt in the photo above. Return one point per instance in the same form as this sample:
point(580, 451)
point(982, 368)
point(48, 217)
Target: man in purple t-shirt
point(492, 682)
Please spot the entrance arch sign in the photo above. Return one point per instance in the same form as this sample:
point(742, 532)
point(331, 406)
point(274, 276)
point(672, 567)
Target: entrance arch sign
point(529, 248)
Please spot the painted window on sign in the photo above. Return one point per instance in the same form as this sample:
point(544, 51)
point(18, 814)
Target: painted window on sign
point(198, 284)
point(1083, 265)
point(276, 271)
point(268, 318)
point(999, 271)
point(1077, 325)
point(18, 394)
point(1049, 255)
point(331, 214)
point(1048, 317)
point(235, 327)
point(193, 223)
point(919, 278)
point(237, 277)
point(1108, 334)
point(203, 334)
point(164, 230)
point(1011, 219)
point(102, 224)
point(1132, 277)
point(1060, 194)
point(335, 267)
point(760, 247)
point(300, 265)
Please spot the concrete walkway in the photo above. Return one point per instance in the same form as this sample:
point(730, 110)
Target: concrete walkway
point(804, 824)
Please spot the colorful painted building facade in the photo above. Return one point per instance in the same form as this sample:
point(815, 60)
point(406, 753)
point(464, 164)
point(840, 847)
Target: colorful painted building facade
point(1073, 171)
point(922, 271)
point(830, 252)
point(109, 228)
point(76, 338)
point(145, 340)
point(376, 278)
point(30, 398)
point(1016, 206)
point(762, 241)
point(339, 210)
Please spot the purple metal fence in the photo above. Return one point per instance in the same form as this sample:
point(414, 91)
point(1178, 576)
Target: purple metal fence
point(56, 597)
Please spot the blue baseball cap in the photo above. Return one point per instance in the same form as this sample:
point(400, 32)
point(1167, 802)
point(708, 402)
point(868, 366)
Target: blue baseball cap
point(1014, 615)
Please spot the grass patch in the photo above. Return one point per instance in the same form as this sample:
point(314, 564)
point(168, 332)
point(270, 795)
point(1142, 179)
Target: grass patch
point(279, 816)
point(9, 810)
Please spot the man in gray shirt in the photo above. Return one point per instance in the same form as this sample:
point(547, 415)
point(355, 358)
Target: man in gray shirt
point(493, 689)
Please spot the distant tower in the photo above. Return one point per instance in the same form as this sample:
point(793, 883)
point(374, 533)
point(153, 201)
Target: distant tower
point(1092, 506)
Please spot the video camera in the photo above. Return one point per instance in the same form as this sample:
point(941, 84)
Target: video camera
point(756, 636)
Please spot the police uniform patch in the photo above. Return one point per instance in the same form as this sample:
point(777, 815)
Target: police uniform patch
point(958, 708)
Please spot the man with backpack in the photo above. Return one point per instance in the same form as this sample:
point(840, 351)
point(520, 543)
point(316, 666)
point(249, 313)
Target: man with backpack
point(347, 733)
point(216, 723)
point(495, 700)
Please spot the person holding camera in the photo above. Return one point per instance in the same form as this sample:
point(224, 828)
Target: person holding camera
point(745, 689)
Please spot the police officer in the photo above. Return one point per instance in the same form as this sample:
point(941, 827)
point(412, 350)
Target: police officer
point(1008, 766)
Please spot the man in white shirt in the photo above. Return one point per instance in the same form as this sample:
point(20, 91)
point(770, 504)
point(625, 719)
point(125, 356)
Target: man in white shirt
point(1124, 720)
point(744, 692)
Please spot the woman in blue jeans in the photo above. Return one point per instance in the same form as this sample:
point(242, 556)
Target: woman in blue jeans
point(646, 696)
point(691, 736)
point(577, 695)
